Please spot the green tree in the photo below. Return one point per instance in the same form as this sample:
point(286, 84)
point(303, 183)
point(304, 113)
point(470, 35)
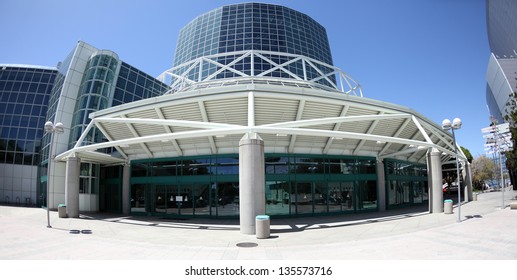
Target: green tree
point(483, 169)
point(511, 156)
point(467, 154)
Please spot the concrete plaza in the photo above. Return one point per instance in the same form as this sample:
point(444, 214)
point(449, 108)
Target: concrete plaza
point(486, 232)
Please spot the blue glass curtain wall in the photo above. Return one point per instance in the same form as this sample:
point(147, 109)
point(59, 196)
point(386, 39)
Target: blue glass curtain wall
point(296, 185)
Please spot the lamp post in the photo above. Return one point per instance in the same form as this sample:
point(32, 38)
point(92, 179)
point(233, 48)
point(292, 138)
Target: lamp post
point(455, 125)
point(499, 151)
point(51, 128)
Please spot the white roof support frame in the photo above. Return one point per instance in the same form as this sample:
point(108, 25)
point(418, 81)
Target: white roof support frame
point(396, 134)
point(169, 130)
point(135, 133)
point(106, 134)
point(237, 130)
point(202, 109)
point(337, 120)
point(177, 76)
point(294, 120)
point(370, 129)
point(299, 114)
point(336, 128)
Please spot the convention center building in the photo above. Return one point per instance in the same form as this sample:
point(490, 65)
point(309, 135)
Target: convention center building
point(253, 118)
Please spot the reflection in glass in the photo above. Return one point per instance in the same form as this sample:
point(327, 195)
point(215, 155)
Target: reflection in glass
point(335, 197)
point(201, 199)
point(228, 165)
point(392, 192)
point(160, 198)
point(303, 198)
point(278, 198)
point(342, 166)
point(325, 185)
point(277, 165)
point(418, 192)
point(367, 195)
point(227, 198)
point(347, 195)
point(320, 197)
point(138, 198)
point(308, 165)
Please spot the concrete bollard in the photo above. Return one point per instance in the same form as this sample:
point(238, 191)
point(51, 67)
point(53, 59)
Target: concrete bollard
point(447, 206)
point(61, 211)
point(262, 226)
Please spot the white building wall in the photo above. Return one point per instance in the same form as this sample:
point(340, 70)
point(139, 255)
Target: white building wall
point(64, 114)
point(18, 184)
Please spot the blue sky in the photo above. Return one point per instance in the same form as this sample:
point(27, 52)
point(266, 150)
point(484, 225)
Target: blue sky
point(428, 55)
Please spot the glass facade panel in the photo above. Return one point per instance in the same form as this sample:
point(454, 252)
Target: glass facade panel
point(95, 93)
point(133, 84)
point(406, 183)
point(228, 199)
point(303, 198)
point(201, 199)
point(209, 186)
point(24, 95)
point(335, 197)
point(138, 198)
point(278, 198)
point(321, 197)
point(89, 181)
point(227, 165)
point(161, 201)
point(277, 165)
point(253, 26)
point(348, 196)
point(367, 199)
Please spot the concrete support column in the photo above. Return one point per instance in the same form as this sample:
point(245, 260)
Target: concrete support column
point(429, 181)
point(126, 196)
point(434, 170)
point(252, 181)
point(467, 179)
point(381, 186)
point(73, 166)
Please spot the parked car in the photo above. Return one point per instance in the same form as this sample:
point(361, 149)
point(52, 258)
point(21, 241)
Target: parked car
point(452, 188)
point(491, 187)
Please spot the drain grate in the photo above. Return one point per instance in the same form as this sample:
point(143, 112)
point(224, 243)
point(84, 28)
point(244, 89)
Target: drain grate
point(84, 231)
point(247, 244)
point(473, 216)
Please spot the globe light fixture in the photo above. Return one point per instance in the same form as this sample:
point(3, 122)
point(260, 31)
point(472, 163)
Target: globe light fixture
point(455, 125)
point(51, 128)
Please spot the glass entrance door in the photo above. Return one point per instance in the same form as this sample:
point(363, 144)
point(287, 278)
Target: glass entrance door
point(278, 198)
point(201, 199)
point(183, 200)
point(109, 197)
point(168, 200)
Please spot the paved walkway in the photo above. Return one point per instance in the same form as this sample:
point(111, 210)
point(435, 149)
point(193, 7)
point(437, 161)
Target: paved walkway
point(486, 232)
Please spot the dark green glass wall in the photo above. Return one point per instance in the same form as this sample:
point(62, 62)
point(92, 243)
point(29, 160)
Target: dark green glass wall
point(406, 183)
point(296, 185)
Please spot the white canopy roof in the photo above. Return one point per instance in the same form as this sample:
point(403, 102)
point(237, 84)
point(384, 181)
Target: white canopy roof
point(289, 119)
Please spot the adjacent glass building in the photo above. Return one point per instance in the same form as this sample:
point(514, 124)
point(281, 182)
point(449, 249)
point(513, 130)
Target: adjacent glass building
point(88, 80)
point(502, 65)
point(24, 95)
point(177, 145)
